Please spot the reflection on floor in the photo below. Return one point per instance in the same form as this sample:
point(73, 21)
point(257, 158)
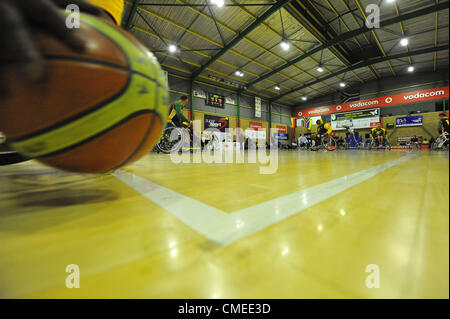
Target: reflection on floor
point(163, 230)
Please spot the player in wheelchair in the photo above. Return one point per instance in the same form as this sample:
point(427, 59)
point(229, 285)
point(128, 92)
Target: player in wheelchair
point(379, 138)
point(178, 133)
point(178, 130)
point(443, 141)
point(323, 138)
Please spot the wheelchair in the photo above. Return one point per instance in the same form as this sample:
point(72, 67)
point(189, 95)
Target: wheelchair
point(374, 144)
point(442, 142)
point(327, 143)
point(175, 138)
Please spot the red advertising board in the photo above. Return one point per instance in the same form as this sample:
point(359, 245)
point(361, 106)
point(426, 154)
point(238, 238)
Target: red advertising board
point(281, 129)
point(255, 125)
point(388, 100)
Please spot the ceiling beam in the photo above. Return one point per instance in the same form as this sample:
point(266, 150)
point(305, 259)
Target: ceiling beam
point(206, 4)
point(363, 64)
point(352, 34)
point(131, 15)
point(241, 35)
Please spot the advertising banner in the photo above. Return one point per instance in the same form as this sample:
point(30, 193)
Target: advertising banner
point(355, 120)
point(388, 100)
point(409, 121)
point(282, 136)
point(217, 122)
point(255, 131)
point(282, 129)
point(257, 107)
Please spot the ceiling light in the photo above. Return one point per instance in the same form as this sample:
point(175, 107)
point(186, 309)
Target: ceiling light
point(304, 98)
point(390, 1)
point(342, 84)
point(172, 48)
point(319, 69)
point(410, 68)
point(218, 3)
point(277, 88)
point(285, 45)
point(404, 42)
point(239, 73)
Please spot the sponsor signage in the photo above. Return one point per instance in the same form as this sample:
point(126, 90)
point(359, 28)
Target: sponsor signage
point(217, 122)
point(282, 136)
point(355, 120)
point(281, 129)
point(255, 131)
point(409, 121)
point(388, 100)
point(257, 107)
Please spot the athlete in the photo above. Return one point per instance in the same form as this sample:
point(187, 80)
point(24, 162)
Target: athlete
point(443, 123)
point(378, 134)
point(323, 129)
point(176, 112)
point(19, 19)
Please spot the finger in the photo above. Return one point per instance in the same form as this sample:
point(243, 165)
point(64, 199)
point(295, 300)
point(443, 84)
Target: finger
point(83, 5)
point(48, 16)
point(18, 44)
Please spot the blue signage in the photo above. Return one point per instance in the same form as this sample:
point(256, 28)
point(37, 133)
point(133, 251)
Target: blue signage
point(409, 121)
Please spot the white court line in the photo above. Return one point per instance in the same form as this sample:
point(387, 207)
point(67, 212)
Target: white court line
point(224, 228)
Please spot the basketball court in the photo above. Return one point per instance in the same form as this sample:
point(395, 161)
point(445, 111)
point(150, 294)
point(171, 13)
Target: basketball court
point(345, 221)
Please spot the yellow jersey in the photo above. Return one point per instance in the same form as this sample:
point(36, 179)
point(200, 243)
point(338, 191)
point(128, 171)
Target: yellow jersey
point(378, 131)
point(113, 7)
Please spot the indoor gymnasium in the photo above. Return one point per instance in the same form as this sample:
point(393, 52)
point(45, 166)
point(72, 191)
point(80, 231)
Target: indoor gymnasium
point(224, 149)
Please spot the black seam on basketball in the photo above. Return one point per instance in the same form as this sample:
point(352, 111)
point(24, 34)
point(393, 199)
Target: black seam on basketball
point(95, 61)
point(76, 116)
point(135, 114)
point(116, 45)
point(103, 103)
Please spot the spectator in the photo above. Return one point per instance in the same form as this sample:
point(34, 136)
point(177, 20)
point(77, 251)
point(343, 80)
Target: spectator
point(302, 141)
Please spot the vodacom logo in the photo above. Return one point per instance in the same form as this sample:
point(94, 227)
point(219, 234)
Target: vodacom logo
point(338, 108)
point(299, 113)
point(388, 99)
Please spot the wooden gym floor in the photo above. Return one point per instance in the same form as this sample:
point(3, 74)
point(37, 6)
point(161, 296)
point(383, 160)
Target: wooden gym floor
point(162, 230)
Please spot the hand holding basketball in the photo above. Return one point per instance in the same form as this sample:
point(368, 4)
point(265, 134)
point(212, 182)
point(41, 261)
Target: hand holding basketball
point(20, 18)
point(96, 111)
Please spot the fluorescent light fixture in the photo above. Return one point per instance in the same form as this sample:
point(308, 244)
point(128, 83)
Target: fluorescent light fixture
point(172, 48)
point(218, 3)
point(285, 45)
point(319, 69)
point(410, 68)
point(404, 42)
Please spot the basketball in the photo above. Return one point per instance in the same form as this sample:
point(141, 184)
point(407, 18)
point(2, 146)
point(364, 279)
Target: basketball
point(95, 111)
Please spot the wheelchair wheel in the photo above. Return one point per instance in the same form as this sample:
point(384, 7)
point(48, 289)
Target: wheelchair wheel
point(171, 140)
point(328, 143)
point(387, 144)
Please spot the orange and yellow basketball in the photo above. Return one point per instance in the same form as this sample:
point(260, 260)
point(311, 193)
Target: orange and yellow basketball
point(96, 111)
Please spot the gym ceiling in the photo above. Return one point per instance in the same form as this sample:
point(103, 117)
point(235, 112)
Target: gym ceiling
point(291, 51)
